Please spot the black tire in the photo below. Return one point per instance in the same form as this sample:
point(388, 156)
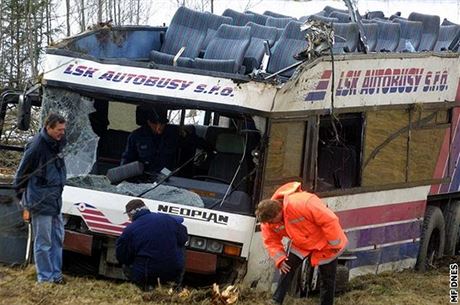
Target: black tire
point(432, 238)
point(301, 282)
point(301, 286)
point(452, 218)
point(294, 289)
point(341, 279)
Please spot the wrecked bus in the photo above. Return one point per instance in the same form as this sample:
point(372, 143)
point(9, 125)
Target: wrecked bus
point(368, 126)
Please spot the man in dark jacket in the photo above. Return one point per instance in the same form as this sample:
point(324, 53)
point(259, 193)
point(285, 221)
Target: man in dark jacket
point(39, 182)
point(155, 143)
point(152, 246)
point(158, 144)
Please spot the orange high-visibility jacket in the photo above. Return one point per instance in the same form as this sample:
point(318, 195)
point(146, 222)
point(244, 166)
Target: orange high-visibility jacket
point(310, 225)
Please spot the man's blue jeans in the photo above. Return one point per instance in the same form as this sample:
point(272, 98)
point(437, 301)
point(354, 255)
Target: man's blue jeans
point(48, 240)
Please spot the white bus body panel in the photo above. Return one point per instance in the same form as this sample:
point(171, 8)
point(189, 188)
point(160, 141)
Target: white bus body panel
point(199, 222)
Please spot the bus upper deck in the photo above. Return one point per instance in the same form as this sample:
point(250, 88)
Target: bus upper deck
point(241, 60)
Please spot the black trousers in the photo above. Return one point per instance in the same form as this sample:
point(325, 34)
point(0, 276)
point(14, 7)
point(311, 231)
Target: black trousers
point(327, 280)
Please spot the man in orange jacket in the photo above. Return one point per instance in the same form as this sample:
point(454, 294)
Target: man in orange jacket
point(314, 232)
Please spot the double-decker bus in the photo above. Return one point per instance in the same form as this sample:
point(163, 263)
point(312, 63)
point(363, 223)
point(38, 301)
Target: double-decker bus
point(370, 126)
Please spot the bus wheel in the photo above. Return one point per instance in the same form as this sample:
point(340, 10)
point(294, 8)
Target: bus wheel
point(432, 238)
point(452, 217)
point(302, 281)
point(341, 279)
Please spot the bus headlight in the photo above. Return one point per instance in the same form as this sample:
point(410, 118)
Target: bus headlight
point(197, 243)
point(214, 246)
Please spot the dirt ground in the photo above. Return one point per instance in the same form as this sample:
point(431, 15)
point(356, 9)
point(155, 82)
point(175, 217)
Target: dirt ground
point(18, 286)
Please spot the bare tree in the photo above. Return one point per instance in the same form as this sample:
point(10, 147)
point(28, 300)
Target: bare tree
point(119, 12)
point(251, 3)
point(24, 32)
point(99, 10)
point(28, 26)
point(67, 16)
point(48, 21)
point(138, 12)
point(199, 5)
point(204, 5)
point(2, 56)
point(82, 14)
point(110, 9)
point(30, 39)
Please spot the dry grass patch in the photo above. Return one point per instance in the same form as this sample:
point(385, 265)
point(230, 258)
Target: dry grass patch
point(409, 287)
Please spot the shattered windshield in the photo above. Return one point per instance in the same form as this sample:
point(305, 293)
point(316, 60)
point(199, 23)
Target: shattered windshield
point(162, 192)
point(80, 151)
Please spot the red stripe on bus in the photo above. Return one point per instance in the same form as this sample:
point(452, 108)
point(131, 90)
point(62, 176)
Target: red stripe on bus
point(381, 214)
point(95, 218)
point(441, 163)
point(92, 211)
point(104, 226)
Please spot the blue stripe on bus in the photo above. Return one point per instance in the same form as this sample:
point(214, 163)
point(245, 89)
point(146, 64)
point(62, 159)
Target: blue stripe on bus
point(384, 234)
point(315, 96)
point(454, 185)
point(384, 255)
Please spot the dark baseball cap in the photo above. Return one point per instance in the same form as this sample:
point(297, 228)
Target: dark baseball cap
point(134, 205)
point(158, 115)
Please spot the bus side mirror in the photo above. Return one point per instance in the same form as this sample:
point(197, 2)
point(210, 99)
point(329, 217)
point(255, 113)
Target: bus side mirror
point(24, 109)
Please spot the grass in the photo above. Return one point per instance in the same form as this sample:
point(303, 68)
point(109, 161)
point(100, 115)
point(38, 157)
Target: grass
point(18, 286)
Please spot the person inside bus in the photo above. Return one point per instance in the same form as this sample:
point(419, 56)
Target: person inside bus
point(152, 247)
point(155, 143)
point(314, 232)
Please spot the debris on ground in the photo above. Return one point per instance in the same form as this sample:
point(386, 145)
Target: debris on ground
point(228, 296)
point(18, 287)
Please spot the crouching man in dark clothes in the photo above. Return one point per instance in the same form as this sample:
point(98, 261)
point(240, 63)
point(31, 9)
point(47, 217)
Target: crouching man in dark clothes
point(152, 246)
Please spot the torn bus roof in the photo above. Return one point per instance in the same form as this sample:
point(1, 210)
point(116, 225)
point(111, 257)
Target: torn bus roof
point(358, 81)
point(225, 66)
